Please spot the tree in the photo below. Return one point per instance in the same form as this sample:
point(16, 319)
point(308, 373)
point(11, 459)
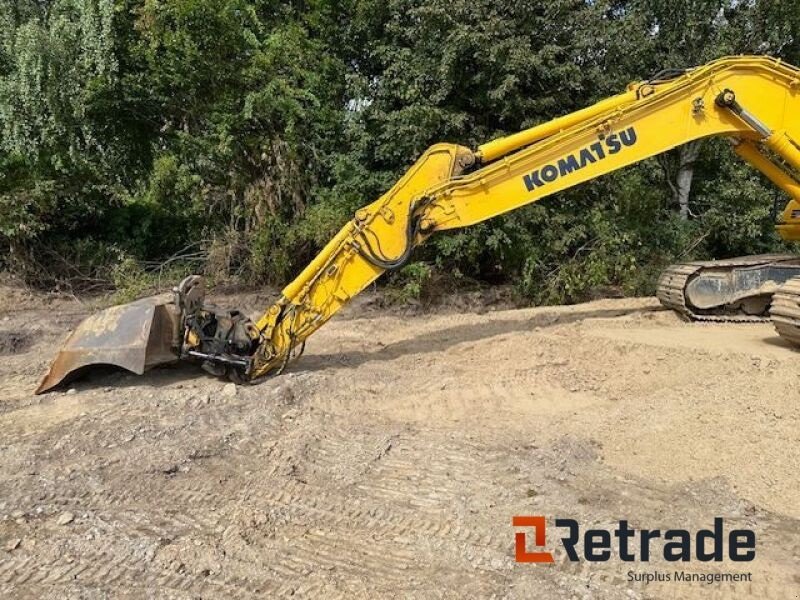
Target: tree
point(141, 126)
point(56, 59)
point(658, 35)
point(252, 129)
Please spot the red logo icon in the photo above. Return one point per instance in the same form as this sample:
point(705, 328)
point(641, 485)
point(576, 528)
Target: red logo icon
point(520, 548)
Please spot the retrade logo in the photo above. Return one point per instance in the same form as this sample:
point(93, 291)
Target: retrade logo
point(630, 544)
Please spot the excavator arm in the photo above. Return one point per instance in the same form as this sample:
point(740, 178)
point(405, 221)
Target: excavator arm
point(753, 101)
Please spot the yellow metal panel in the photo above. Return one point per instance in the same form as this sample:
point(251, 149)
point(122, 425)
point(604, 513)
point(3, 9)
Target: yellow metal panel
point(778, 176)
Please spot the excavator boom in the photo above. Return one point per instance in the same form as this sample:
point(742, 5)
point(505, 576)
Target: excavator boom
point(752, 101)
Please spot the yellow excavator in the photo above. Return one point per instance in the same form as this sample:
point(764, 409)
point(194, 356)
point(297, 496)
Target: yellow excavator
point(753, 101)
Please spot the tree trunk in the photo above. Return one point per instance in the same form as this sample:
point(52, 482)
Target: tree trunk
point(687, 155)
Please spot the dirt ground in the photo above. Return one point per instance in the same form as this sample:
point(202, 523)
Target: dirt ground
point(391, 458)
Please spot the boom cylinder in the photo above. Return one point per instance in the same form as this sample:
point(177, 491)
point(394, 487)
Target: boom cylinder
point(500, 147)
point(748, 151)
point(776, 140)
point(780, 143)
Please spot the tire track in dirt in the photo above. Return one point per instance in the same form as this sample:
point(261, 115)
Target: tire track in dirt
point(388, 464)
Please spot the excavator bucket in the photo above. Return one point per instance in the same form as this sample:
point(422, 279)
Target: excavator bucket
point(133, 336)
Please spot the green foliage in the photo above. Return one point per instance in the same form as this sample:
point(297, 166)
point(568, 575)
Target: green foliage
point(130, 281)
point(246, 132)
point(411, 283)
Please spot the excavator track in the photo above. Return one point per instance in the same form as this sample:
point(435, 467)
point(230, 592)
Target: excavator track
point(675, 281)
point(785, 311)
point(671, 285)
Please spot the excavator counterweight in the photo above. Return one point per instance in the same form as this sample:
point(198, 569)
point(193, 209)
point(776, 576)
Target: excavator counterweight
point(753, 101)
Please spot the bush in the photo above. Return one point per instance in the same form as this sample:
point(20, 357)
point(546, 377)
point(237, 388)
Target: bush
point(248, 132)
point(410, 284)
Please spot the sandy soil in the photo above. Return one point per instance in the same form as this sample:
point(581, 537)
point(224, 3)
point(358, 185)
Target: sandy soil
point(391, 458)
